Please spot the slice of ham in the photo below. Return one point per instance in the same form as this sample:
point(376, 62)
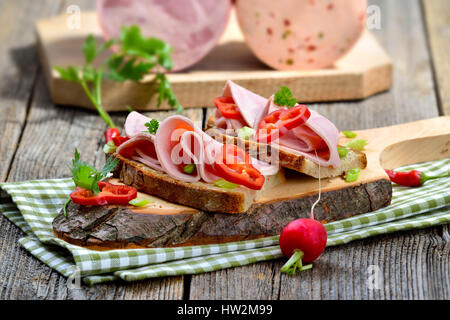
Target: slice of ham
point(253, 107)
point(179, 142)
point(141, 148)
point(318, 134)
point(135, 124)
point(192, 27)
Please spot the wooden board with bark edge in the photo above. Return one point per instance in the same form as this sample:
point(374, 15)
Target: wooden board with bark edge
point(364, 71)
point(389, 147)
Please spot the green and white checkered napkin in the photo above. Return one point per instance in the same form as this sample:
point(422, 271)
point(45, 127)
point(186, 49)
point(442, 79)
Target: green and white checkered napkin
point(32, 205)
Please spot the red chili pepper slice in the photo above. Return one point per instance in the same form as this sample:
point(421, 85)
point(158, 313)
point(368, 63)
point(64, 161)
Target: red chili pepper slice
point(412, 178)
point(110, 133)
point(234, 165)
point(279, 122)
point(227, 107)
point(109, 194)
point(118, 140)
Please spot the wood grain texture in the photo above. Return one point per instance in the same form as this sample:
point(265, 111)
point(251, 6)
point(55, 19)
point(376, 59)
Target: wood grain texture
point(364, 71)
point(414, 264)
point(437, 24)
point(45, 150)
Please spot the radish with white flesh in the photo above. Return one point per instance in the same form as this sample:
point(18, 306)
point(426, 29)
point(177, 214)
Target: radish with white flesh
point(302, 240)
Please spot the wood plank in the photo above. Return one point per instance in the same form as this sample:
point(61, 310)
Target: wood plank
point(413, 264)
point(437, 24)
point(364, 71)
point(19, 68)
point(45, 150)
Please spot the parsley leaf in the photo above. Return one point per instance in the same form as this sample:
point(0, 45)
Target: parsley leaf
point(86, 176)
point(135, 56)
point(284, 98)
point(152, 126)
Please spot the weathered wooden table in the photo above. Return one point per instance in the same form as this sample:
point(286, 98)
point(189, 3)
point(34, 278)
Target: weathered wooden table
point(38, 138)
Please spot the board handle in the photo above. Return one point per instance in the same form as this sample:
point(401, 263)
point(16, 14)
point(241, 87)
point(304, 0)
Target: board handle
point(409, 143)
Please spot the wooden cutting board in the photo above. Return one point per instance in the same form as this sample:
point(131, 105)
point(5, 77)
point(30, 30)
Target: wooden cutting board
point(364, 71)
point(388, 148)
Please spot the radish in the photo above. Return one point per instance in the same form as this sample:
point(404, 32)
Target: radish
point(302, 240)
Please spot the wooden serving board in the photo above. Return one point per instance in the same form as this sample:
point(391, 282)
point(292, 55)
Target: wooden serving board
point(389, 147)
point(364, 71)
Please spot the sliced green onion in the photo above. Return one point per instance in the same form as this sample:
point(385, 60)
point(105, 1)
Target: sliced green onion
point(110, 147)
point(189, 168)
point(349, 134)
point(352, 175)
point(342, 152)
point(139, 202)
point(245, 133)
point(65, 206)
point(222, 183)
point(357, 144)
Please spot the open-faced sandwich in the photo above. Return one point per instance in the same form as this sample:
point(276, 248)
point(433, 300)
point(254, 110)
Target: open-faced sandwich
point(169, 183)
point(279, 129)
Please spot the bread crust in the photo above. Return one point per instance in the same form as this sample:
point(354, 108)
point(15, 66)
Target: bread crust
point(197, 195)
point(289, 159)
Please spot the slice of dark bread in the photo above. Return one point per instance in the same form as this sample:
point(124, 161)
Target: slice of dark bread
point(200, 195)
point(289, 158)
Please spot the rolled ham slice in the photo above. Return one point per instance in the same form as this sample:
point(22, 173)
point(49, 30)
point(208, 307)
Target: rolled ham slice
point(179, 143)
point(192, 27)
point(135, 124)
point(301, 34)
point(253, 107)
point(317, 134)
point(141, 148)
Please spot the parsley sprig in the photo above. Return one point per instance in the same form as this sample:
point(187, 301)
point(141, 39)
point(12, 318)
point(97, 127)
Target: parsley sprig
point(134, 57)
point(86, 176)
point(284, 98)
point(152, 126)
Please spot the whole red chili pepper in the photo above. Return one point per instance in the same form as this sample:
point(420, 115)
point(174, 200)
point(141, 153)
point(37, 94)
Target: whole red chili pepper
point(412, 178)
point(111, 133)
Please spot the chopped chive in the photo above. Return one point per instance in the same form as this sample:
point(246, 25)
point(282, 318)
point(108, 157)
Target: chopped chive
point(349, 134)
point(222, 183)
point(342, 152)
point(245, 133)
point(352, 175)
point(357, 144)
point(65, 206)
point(189, 168)
point(139, 202)
point(110, 147)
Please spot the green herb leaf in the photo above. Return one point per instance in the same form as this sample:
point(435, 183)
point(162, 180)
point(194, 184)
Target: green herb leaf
point(65, 206)
point(139, 202)
point(342, 152)
point(222, 183)
point(349, 134)
point(284, 97)
point(352, 175)
point(89, 49)
point(86, 176)
point(357, 144)
point(152, 126)
point(135, 56)
point(245, 133)
point(189, 168)
point(109, 166)
point(68, 74)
